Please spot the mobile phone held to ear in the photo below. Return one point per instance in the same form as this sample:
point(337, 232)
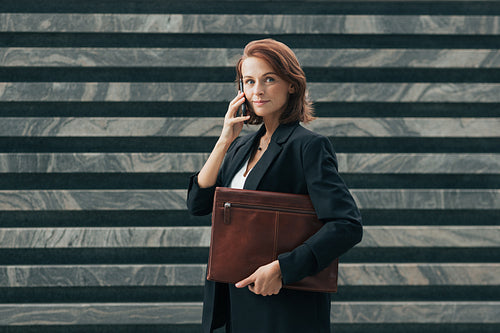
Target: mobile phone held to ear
point(244, 105)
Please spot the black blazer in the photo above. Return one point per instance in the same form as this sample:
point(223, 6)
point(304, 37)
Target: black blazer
point(296, 161)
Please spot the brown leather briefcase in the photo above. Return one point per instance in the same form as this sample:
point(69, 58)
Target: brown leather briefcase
point(250, 228)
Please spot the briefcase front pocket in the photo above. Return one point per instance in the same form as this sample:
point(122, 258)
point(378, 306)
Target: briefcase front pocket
point(242, 241)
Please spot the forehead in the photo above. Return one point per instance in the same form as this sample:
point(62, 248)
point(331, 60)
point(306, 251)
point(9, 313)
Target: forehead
point(255, 67)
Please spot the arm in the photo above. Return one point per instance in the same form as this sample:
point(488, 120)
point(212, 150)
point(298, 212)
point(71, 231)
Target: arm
point(334, 205)
point(202, 185)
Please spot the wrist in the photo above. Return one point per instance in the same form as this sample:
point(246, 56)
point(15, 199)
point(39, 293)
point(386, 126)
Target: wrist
point(222, 144)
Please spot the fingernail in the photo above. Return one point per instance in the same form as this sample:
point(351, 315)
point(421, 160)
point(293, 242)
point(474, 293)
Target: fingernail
point(237, 285)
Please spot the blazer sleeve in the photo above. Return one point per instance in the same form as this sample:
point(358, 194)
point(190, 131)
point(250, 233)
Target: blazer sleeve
point(334, 206)
point(200, 200)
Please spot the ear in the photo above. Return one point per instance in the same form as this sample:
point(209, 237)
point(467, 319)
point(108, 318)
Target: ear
point(291, 89)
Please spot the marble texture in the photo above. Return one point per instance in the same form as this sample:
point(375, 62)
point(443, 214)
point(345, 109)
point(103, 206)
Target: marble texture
point(40, 200)
point(119, 57)
point(426, 199)
point(102, 275)
point(417, 274)
point(430, 236)
point(376, 163)
point(190, 313)
point(252, 24)
point(195, 237)
point(110, 162)
point(373, 275)
point(57, 200)
point(100, 314)
point(227, 57)
point(104, 237)
point(180, 126)
point(416, 163)
point(415, 312)
point(224, 92)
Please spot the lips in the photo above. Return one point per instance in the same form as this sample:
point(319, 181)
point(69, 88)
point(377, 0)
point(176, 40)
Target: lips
point(259, 103)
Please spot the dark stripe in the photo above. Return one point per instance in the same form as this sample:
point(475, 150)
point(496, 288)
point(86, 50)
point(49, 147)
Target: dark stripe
point(101, 294)
point(266, 7)
point(164, 255)
point(415, 328)
point(33, 39)
point(123, 180)
point(205, 144)
point(227, 74)
point(118, 180)
point(195, 294)
point(103, 256)
point(129, 218)
point(217, 109)
point(177, 328)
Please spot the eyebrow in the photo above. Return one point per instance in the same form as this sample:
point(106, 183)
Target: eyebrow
point(262, 74)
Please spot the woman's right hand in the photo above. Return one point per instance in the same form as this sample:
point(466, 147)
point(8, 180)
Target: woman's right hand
point(233, 124)
point(232, 128)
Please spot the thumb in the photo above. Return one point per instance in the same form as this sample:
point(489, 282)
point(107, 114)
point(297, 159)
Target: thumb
point(245, 282)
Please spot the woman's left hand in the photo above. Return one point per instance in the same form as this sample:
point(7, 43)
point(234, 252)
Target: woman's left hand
point(265, 281)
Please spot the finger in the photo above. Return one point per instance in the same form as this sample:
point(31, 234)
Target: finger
point(237, 99)
point(240, 119)
point(236, 103)
point(245, 282)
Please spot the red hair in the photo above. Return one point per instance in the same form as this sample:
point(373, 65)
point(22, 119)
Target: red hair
point(284, 62)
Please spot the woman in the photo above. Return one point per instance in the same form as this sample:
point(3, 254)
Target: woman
point(282, 156)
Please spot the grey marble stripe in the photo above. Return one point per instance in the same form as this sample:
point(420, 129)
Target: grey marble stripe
point(156, 237)
point(252, 24)
point(415, 312)
point(113, 162)
point(124, 237)
point(224, 92)
point(427, 199)
point(417, 163)
point(190, 313)
point(39, 200)
point(484, 274)
point(223, 57)
point(431, 236)
point(92, 200)
point(100, 314)
point(212, 127)
point(102, 275)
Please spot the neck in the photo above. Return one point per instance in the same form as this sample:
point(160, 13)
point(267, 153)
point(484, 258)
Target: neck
point(271, 125)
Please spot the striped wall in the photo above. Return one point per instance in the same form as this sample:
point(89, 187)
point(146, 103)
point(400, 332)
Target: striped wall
point(107, 107)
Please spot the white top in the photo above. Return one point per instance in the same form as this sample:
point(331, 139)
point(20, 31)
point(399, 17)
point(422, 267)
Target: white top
point(239, 178)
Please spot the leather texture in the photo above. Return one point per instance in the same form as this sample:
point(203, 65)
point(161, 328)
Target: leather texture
point(251, 228)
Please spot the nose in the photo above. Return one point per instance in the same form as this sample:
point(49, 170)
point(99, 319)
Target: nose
point(259, 88)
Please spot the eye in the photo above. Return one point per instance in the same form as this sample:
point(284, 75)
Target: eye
point(249, 81)
point(269, 79)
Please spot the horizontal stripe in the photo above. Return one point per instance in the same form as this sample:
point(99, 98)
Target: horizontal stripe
point(248, 24)
point(403, 163)
point(220, 92)
point(483, 274)
point(212, 127)
point(41, 200)
point(156, 237)
point(220, 57)
point(190, 313)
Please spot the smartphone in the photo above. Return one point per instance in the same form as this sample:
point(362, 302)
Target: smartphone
point(244, 105)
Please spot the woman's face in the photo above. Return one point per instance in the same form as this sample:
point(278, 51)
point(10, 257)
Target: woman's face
point(266, 93)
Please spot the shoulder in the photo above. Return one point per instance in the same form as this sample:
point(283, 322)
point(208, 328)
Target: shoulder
point(306, 138)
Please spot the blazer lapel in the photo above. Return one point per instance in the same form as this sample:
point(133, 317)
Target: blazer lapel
point(279, 137)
